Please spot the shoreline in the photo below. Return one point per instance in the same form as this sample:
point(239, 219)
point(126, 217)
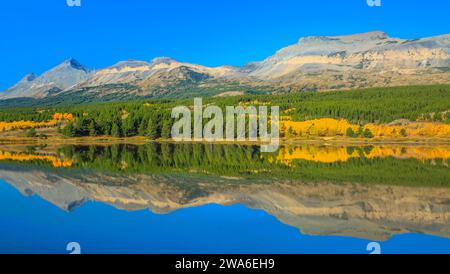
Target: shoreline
point(138, 140)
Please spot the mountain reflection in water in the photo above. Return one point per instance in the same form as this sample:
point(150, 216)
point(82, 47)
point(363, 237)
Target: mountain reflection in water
point(371, 192)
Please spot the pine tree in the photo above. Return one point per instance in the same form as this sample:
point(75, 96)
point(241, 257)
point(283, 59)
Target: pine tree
point(143, 127)
point(129, 127)
point(153, 129)
point(360, 132)
point(69, 130)
point(350, 133)
point(92, 128)
point(367, 133)
point(166, 128)
point(116, 129)
point(403, 132)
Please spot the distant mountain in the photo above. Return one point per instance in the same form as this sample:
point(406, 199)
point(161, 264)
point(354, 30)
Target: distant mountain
point(373, 51)
point(52, 82)
point(134, 71)
point(361, 60)
point(315, 63)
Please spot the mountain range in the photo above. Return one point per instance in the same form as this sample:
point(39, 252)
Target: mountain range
point(315, 63)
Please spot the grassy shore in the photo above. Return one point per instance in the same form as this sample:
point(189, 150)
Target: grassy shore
point(52, 136)
point(107, 140)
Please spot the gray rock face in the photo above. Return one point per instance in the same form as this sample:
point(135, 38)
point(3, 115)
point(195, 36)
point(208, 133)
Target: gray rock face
point(138, 72)
point(373, 51)
point(122, 72)
point(58, 79)
point(364, 60)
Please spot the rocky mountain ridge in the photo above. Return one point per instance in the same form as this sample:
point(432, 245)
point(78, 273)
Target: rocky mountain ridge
point(315, 63)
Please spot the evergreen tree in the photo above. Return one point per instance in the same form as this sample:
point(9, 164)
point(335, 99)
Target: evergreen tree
point(350, 133)
point(153, 131)
point(291, 132)
point(360, 132)
point(403, 132)
point(166, 128)
point(143, 127)
point(92, 128)
point(68, 130)
point(129, 127)
point(116, 129)
point(367, 133)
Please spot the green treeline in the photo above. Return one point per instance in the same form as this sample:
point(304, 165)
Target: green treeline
point(377, 105)
point(152, 118)
point(249, 163)
point(120, 123)
point(244, 162)
point(24, 114)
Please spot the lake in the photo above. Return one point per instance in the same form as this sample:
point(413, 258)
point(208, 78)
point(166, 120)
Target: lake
point(194, 198)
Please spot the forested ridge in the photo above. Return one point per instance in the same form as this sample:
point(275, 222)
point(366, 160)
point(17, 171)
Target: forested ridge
point(152, 118)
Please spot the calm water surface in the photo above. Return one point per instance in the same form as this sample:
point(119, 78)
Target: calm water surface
point(164, 198)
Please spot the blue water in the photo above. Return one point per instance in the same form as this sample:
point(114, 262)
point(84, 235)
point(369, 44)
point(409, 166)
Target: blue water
point(32, 225)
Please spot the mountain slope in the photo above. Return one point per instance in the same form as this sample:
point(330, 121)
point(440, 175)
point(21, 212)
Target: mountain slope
point(133, 71)
point(59, 78)
point(162, 76)
point(315, 63)
point(369, 51)
point(362, 60)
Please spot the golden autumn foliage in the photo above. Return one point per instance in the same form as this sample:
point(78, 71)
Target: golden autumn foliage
point(319, 127)
point(332, 154)
point(57, 117)
point(418, 129)
point(63, 116)
point(24, 157)
point(4, 126)
point(328, 127)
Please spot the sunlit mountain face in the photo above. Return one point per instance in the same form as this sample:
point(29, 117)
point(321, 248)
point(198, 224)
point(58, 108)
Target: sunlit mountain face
point(315, 63)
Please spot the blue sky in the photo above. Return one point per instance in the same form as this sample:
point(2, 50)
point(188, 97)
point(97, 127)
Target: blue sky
point(36, 35)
